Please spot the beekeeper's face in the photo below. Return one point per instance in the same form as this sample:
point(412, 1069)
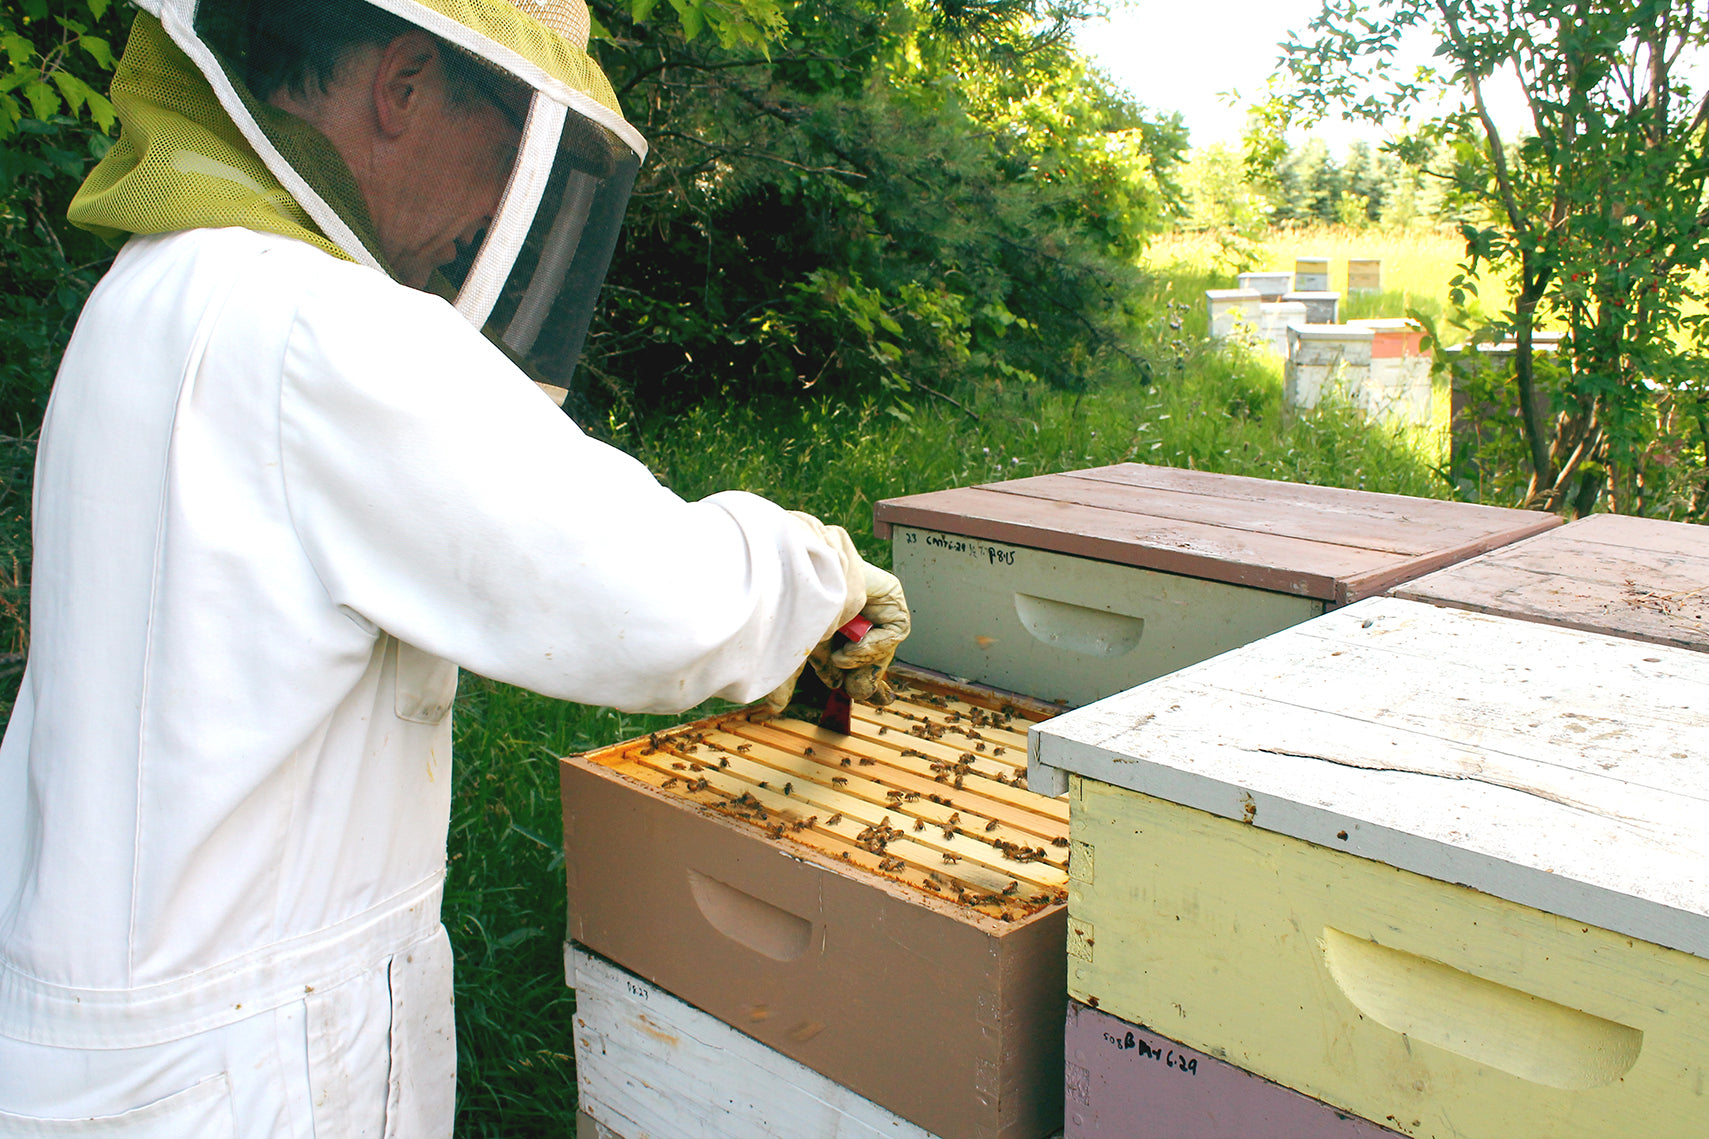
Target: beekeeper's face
point(446, 150)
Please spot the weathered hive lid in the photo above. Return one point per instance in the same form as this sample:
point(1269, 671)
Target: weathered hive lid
point(1563, 770)
point(1607, 573)
point(1312, 541)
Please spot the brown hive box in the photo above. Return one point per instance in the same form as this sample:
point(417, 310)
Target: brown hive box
point(885, 907)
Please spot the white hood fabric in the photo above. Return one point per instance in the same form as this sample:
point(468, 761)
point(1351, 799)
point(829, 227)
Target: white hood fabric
point(279, 500)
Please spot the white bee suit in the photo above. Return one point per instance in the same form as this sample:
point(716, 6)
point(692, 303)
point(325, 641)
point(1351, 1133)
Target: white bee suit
point(280, 499)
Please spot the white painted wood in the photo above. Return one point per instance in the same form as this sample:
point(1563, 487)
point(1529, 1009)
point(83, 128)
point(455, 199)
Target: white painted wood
point(651, 1066)
point(1563, 770)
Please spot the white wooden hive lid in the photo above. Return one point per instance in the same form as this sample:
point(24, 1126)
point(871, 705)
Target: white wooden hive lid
point(1564, 770)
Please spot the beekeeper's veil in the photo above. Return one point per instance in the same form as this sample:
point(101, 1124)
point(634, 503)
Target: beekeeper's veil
point(200, 146)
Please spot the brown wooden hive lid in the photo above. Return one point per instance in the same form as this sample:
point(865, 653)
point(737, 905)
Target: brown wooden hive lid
point(1324, 542)
point(929, 792)
point(1641, 578)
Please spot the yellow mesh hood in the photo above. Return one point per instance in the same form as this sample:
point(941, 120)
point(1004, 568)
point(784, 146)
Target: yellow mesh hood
point(506, 25)
point(180, 162)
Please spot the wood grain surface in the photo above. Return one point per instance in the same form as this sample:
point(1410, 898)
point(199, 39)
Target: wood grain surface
point(1323, 542)
point(1642, 578)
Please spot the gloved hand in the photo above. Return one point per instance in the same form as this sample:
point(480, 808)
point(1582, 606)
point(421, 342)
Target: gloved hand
point(856, 668)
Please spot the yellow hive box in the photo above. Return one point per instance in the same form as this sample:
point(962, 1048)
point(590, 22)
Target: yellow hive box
point(1441, 870)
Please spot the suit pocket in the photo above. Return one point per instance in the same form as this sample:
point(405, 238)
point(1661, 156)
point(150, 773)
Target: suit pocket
point(425, 685)
point(422, 1098)
point(201, 1110)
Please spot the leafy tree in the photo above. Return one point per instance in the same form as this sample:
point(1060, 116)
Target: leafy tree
point(54, 124)
point(1595, 220)
point(897, 199)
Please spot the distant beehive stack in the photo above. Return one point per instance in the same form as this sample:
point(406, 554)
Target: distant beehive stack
point(1398, 388)
point(1311, 275)
point(1364, 275)
point(1379, 366)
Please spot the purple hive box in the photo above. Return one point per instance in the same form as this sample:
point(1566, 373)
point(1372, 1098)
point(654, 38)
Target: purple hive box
point(1124, 1081)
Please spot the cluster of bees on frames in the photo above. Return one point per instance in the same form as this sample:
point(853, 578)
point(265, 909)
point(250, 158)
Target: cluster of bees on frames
point(688, 766)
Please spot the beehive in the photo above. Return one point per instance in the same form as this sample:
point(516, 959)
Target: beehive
point(1439, 869)
point(1311, 274)
point(1082, 584)
point(885, 907)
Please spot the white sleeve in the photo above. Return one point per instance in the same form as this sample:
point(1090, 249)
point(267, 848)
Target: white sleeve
point(439, 495)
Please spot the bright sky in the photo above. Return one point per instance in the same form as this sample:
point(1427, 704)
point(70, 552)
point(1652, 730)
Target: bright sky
point(1175, 56)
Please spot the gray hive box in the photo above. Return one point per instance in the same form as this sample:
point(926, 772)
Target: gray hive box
point(1075, 586)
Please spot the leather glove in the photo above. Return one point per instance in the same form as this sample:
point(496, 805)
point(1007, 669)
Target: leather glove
point(857, 668)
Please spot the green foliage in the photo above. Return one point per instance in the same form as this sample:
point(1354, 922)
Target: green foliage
point(53, 126)
point(898, 200)
point(1596, 222)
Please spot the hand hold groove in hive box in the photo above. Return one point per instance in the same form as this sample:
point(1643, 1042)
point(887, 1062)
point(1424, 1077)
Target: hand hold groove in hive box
point(1079, 628)
point(1523, 1035)
point(741, 917)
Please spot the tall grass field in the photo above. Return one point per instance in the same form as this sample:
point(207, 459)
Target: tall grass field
point(1208, 407)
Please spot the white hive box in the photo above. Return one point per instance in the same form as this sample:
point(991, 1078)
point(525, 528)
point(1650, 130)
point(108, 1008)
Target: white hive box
point(1442, 870)
point(1325, 360)
point(1321, 306)
point(1075, 586)
point(1398, 386)
point(1274, 320)
point(1364, 275)
point(1230, 310)
point(1270, 285)
point(652, 1066)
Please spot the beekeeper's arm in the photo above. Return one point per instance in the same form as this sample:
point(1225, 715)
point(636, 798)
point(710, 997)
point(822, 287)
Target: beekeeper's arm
point(443, 499)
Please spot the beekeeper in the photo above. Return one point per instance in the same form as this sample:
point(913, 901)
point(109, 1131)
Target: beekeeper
point(285, 488)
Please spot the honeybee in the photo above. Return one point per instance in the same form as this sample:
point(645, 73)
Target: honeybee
point(919, 825)
point(950, 858)
point(670, 782)
point(865, 762)
point(1009, 890)
point(789, 788)
point(1059, 840)
point(911, 797)
point(998, 750)
point(955, 817)
point(883, 731)
point(806, 751)
point(846, 761)
point(744, 747)
point(679, 767)
point(949, 832)
point(992, 825)
point(834, 819)
point(723, 763)
point(700, 784)
point(839, 781)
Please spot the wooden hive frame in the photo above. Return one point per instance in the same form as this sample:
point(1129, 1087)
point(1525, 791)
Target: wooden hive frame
point(929, 791)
